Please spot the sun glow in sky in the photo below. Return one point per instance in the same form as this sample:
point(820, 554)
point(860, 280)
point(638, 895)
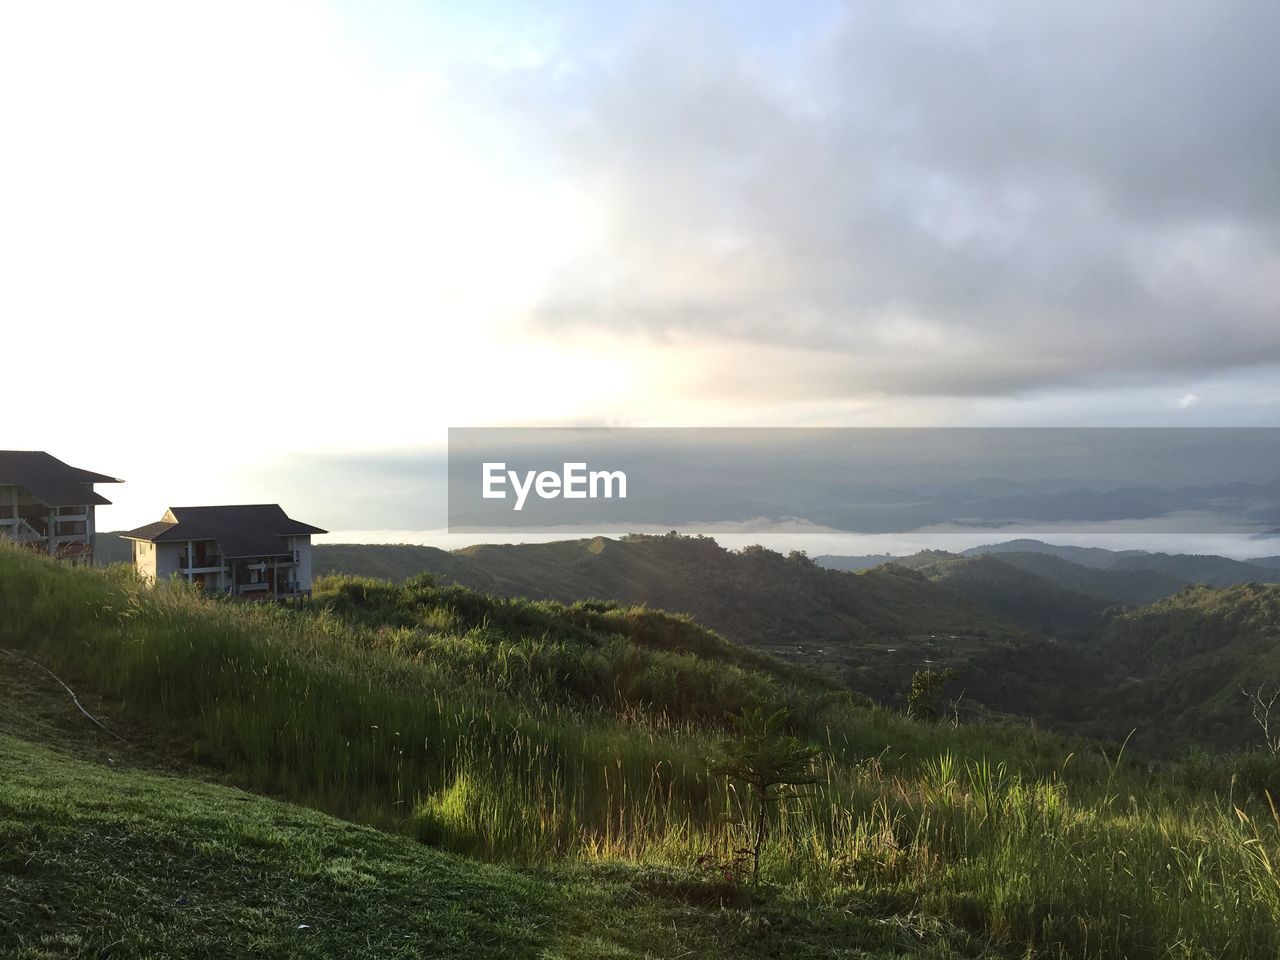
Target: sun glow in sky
point(239, 236)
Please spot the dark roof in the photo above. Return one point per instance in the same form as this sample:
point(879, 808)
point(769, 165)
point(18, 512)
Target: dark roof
point(242, 530)
point(150, 531)
point(49, 480)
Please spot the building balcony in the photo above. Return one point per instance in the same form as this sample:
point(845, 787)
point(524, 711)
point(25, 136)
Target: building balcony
point(277, 563)
point(202, 565)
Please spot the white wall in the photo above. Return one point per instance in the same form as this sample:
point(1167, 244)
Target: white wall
point(167, 557)
point(303, 546)
point(144, 559)
point(159, 561)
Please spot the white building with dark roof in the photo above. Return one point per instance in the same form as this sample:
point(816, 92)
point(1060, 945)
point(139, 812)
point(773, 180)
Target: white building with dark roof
point(250, 550)
point(49, 505)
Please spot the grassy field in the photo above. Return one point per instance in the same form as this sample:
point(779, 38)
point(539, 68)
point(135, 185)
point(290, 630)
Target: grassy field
point(564, 739)
point(98, 860)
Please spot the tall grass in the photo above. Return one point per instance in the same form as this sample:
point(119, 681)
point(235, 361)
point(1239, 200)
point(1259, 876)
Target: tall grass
point(526, 741)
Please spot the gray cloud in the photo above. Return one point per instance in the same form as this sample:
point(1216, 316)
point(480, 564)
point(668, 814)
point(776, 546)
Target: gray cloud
point(934, 197)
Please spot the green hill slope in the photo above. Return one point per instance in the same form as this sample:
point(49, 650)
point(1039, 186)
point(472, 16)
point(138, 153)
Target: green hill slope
point(852, 564)
point(389, 561)
point(398, 710)
point(1115, 585)
point(596, 655)
point(755, 596)
point(1187, 660)
point(1036, 602)
point(1097, 557)
point(1208, 569)
point(98, 860)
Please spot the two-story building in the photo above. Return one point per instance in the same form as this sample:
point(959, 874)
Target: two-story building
point(250, 550)
point(48, 505)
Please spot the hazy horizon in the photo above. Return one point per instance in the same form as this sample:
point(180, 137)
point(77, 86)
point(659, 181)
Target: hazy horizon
point(1234, 547)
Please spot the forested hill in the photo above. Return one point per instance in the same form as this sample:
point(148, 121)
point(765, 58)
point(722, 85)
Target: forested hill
point(1131, 577)
point(1189, 660)
point(755, 596)
point(1041, 604)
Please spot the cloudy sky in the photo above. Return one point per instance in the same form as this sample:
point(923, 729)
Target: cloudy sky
point(241, 241)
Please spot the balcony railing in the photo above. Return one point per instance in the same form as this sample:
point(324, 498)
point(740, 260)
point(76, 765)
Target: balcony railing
point(201, 563)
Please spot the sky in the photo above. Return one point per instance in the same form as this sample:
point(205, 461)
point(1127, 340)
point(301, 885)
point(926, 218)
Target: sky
point(243, 241)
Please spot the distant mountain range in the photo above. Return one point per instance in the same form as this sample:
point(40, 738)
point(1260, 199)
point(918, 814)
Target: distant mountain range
point(1179, 569)
point(1065, 591)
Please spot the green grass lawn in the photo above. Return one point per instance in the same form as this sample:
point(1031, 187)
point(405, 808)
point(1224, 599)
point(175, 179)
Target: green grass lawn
point(104, 860)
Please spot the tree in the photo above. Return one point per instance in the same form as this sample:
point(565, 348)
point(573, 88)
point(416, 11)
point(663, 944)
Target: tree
point(1262, 704)
point(922, 701)
point(773, 766)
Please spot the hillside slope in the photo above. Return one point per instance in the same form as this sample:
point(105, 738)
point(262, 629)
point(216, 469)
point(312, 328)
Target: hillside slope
point(1114, 585)
point(97, 860)
point(390, 561)
point(434, 714)
point(1036, 602)
point(1208, 569)
point(1188, 659)
point(1186, 568)
point(1131, 577)
point(1098, 557)
point(755, 596)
